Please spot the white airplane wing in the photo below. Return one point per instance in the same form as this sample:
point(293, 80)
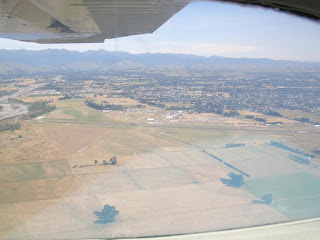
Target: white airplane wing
point(75, 21)
point(81, 21)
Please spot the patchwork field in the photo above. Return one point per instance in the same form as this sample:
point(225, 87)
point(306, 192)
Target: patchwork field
point(167, 180)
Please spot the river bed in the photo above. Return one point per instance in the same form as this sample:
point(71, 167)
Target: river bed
point(16, 109)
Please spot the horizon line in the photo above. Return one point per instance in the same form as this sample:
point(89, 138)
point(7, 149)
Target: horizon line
point(169, 53)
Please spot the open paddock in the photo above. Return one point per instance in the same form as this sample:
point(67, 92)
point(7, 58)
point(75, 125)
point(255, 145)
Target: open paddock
point(43, 189)
point(71, 138)
point(58, 218)
point(28, 144)
point(186, 209)
point(165, 180)
point(33, 171)
point(107, 182)
point(125, 143)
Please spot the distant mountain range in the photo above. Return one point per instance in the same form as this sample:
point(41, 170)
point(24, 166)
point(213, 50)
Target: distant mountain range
point(63, 59)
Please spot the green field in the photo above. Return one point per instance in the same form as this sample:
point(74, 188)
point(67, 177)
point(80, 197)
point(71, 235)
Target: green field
point(79, 112)
point(78, 116)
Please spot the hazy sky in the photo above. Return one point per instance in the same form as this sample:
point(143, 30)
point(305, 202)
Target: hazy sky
point(210, 28)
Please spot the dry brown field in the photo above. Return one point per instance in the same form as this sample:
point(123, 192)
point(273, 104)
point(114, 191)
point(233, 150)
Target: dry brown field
point(164, 181)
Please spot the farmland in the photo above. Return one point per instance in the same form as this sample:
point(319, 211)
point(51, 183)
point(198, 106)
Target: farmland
point(174, 160)
point(158, 166)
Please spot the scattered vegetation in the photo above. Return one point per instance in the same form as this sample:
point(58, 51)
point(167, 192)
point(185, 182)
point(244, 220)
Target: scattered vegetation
point(249, 117)
point(106, 215)
point(9, 126)
point(17, 101)
point(1, 107)
point(4, 92)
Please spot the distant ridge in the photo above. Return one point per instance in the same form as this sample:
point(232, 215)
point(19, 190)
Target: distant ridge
point(96, 59)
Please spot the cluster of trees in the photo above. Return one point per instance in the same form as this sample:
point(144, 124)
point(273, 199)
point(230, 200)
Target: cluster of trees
point(106, 215)
point(112, 161)
point(94, 105)
point(301, 160)
point(152, 103)
point(273, 113)
point(236, 180)
point(101, 106)
point(9, 126)
point(231, 114)
point(39, 108)
point(114, 107)
point(265, 199)
point(65, 97)
point(303, 119)
point(257, 119)
point(230, 145)
point(260, 119)
point(1, 107)
point(291, 149)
